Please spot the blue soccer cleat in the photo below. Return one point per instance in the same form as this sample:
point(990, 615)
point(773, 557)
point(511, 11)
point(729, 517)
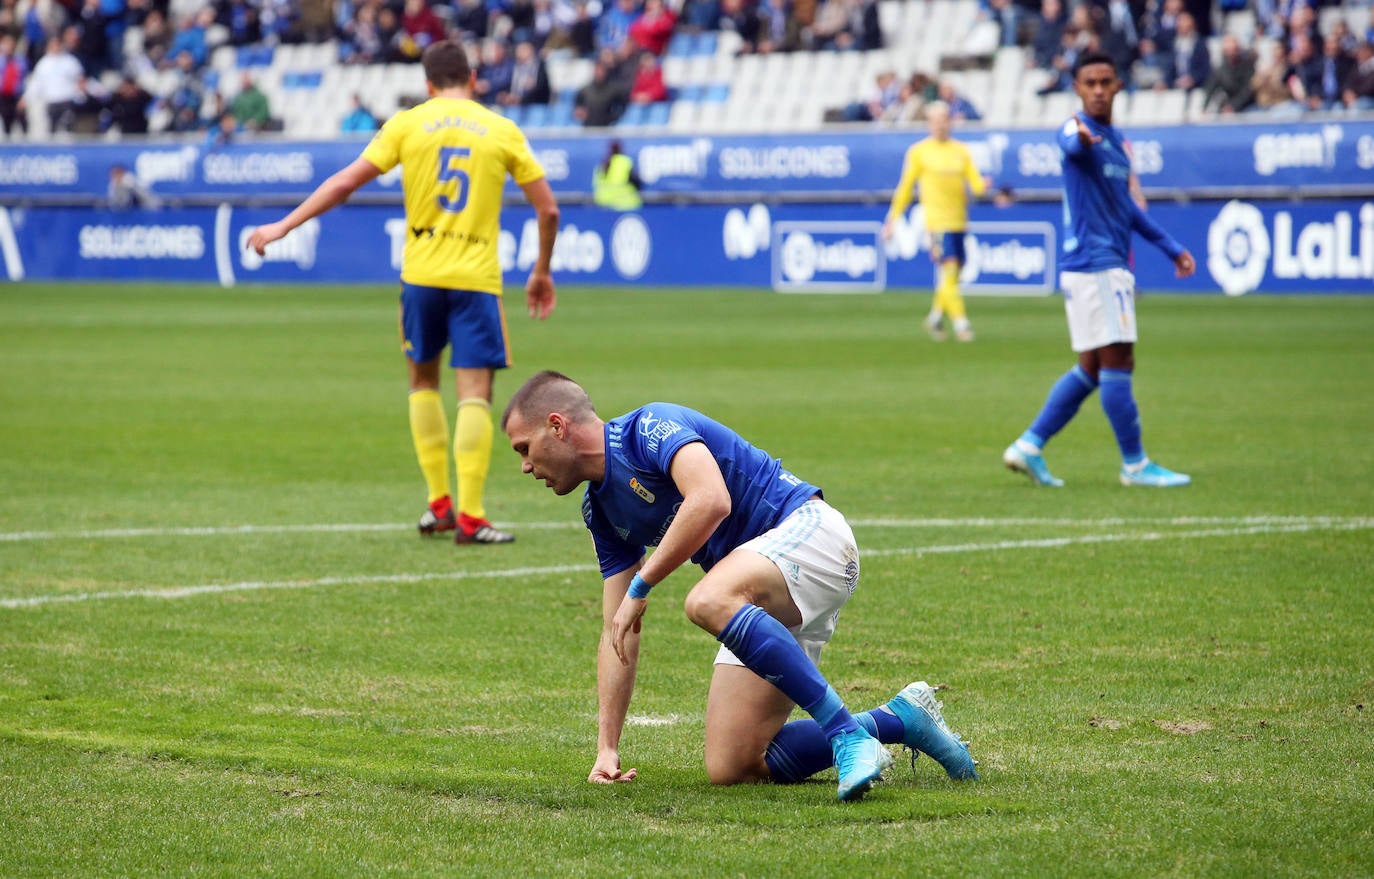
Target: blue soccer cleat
point(1032, 465)
point(924, 730)
point(860, 759)
point(1151, 474)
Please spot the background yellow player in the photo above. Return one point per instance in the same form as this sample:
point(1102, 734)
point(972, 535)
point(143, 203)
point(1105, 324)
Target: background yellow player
point(943, 168)
point(455, 155)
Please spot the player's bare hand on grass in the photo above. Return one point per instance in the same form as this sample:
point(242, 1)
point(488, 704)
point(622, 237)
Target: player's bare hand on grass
point(265, 235)
point(607, 770)
point(627, 619)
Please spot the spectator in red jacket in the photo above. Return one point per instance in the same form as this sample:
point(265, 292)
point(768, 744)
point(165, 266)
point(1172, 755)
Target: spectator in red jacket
point(648, 87)
point(654, 27)
point(421, 25)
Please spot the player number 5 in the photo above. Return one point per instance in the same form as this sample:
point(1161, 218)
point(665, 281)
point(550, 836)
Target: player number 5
point(447, 157)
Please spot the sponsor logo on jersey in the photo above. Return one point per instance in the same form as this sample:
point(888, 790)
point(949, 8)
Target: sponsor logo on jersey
point(638, 488)
point(656, 430)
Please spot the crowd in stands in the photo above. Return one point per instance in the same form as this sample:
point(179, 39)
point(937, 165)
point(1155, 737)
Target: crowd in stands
point(83, 60)
point(1280, 62)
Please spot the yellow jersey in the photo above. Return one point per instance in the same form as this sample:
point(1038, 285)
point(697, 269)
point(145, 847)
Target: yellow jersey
point(454, 157)
point(942, 169)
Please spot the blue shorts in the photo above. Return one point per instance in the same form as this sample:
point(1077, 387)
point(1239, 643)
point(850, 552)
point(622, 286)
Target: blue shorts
point(950, 246)
point(473, 323)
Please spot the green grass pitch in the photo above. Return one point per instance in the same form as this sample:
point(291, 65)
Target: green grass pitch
point(224, 651)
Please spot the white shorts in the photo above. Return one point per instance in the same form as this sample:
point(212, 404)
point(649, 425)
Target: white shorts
point(815, 550)
point(1100, 306)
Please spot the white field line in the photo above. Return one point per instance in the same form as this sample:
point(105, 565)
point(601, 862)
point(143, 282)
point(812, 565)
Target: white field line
point(1139, 536)
point(345, 528)
point(1288, 526)
point(258, 585)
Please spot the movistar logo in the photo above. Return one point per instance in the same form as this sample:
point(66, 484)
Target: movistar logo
point(638, 488)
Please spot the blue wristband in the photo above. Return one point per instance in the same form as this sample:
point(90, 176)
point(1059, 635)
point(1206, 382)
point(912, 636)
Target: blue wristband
point(639, 588)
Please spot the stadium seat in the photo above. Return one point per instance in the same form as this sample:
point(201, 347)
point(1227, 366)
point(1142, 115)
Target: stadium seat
point(1240, 22)
point(890, 15)
point(254, 56)
point(697, 70)
point(681, 45)
point(633, 116)
point(983, 38)
point(1172, 107)
point(658, 114)
point(711, 118)
point(287, 55)
point(300, 79)
point(1058, 107)
point(684, 117)
point(536, 116)
point(222, 58)
point(728, 44)
point(674, 69)
point(561, 115)
point(716, 93)
point(1194, 111)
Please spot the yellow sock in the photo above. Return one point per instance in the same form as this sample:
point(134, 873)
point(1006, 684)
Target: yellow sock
point(472, 452)
point(947, 296)
point(429, 430)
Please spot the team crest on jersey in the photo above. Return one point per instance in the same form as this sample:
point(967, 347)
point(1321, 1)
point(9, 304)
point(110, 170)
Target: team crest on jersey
point(638, 488)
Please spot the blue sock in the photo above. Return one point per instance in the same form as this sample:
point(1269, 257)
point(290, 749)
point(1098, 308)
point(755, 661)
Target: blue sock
point(768, 650)
point(1060, 406)
point(800, 749)
point(797, 752)
point(1118, 401)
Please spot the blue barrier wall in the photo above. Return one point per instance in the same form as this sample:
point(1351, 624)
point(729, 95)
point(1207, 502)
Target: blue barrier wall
point(1331, 158)
point(798, 213)
point(1319, 246)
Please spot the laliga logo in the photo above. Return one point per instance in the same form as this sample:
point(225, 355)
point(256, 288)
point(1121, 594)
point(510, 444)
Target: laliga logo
point(1238, 248)
point(631, 245)
point(744, 235)
point(802, 257)
point(799, 256)
point(299, 246)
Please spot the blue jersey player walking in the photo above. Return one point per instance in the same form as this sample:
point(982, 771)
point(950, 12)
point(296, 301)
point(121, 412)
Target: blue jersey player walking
point(780, 563)
point(1099, 289)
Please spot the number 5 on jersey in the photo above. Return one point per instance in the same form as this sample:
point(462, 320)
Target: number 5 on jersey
point(448, 158)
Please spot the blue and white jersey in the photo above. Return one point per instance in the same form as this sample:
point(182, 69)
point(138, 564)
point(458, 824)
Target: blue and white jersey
point(1099, 212)
point(635, 502)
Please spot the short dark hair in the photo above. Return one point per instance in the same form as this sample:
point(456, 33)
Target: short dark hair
point(545, 392)
point(1094, 57)
point(446, 64)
